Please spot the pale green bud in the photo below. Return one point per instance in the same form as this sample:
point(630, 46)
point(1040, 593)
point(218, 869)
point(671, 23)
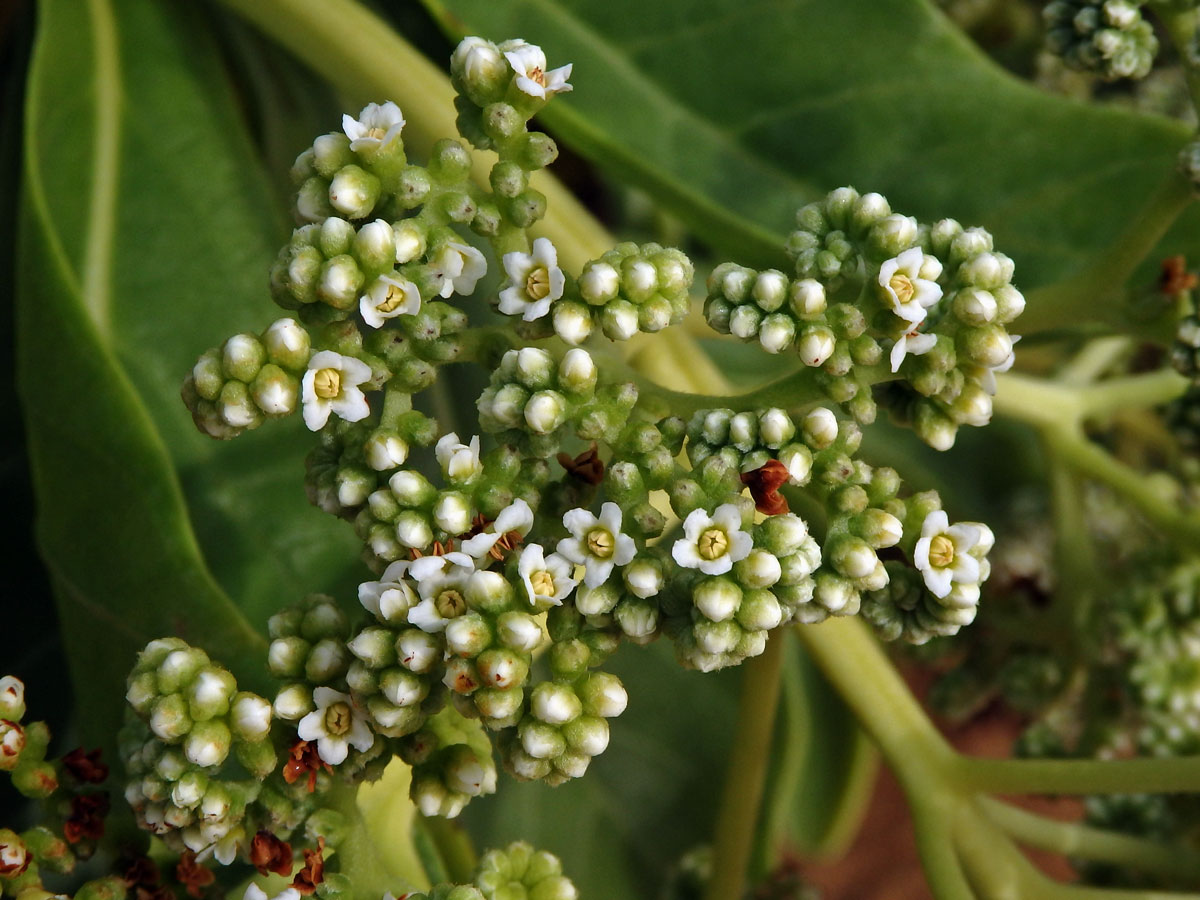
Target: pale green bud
point(242, 356)
point(189, 790)
point(541, 741)
point(619, 320)
point(577, 371)
point(288, 345)
point(417, 651)
point(520, 631)
point(411, 488)
point(341, 282)
point(403, 688)
point(600, 283)
point(208, 375)
point(250, 717)
point(545, 411)
point(410, 241)
point(452, 513)
point(171, 765)
point(507, 407)
point(141, 693)
point(760, 569)
point(643, 577)
point(852, 556)
point(759, 611)
point(375, 246)
point(733, 281)
point(385, 450)
point(335, 237)
point(209, 693)
point(878, 528)
point(587, 735)
point(286, 656)
point(208, 743)
point(327, 659)
point(1010, 303)
point(637, 618)
point(973, 405)
point(833, 592)
point(820, 428)
point(533, 367)
point(974, 306)
point(933, 427)
point(178, 668)
point(312, 200)
point(744, 321)
point(501, 668)
point(555, 704)
point(639, 278)
point(969, 243)
point(987, 270)
point(498, 704)
point(374, 646)
point(274, 391)
point(572, 321)
point(816, 344)
point(293, 702)
point(169, 719)
point(353, 192)
point(716, 637)
point(466, 773)
point(770, 289)
point(894, 234)
point(330, 153)
point(987, 346)
point(655, 314)
point(489, 591)
point(237, 407)
point(603, 695)
point(797, 459)
point(467, 635)
point(717, 598)
point(807, 298)
point(597, 601)
point(776, 333)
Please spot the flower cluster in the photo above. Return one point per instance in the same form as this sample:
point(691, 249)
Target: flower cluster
point(188, 719)
point(1107, 37)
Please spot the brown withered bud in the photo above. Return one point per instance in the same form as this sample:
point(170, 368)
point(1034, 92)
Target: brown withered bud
point(1175, 277)
point(313, 872)
point(86, 820)
point(764, 484)
point(588, 467)
point(193, 876)
point(85, 767)
point(269, 854)
point(304, 760)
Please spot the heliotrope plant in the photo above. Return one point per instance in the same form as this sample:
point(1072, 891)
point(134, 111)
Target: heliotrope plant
point(504, 563)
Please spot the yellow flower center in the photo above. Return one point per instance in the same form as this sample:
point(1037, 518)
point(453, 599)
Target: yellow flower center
point(941, 551)
point(600, 543)
point(902, 287)
point(537, 285)
point(543, 583)
point(450, 603)
point(393, 298)
point(327, 383)
point(378, 132)
point(337, 718)
point(713, 543)
point(536, 74)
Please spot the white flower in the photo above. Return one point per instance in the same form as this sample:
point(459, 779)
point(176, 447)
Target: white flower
point(331, 386)
point(535, 279)
point(713, 543)
point(913, 342)
point(529, 64)
point(387, 298)
point(947, 554)
point(254, 892)
point(336, 725)
point(457, 268)
point(390, 598)
point(547, 579)
point(376, 126)
point(909, 285)
point(459, 461)
point(596, 543)
point(517, 516)
point(442, 585)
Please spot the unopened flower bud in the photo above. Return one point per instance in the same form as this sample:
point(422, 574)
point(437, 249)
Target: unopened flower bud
point(815, 345)
point(807, 298)
point(545, 411)
point(619, 320)
point(353, 192)
point(759, 611)
point(250, 717)
point(293, 702)
point(12, 698)
point(417, 651)
point(603, 695)
point(820, 428)
point(717, 598)
point(385, 450)
point(572, 321)
point(577, 371)
point(555, 704)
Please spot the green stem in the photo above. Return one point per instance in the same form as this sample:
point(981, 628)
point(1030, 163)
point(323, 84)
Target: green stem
point(1151, 389)
point(1096, 294)
point(1085, 842)
point(358, 854)
point(741, 798)
point(1074, 555)
point(1166, 775)
point(1096, 358)
point(362, 56)
point(1180, 26)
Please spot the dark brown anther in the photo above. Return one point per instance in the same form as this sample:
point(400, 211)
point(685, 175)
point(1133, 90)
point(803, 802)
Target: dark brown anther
point(587, 467)
point(1175, 277)
point(508, 541)
point(87, 818)
point(764, 484)
point(313, 873)
point(193, 876)
point(304, 760)
point(269, 854)
point(139, 871)
point(85, 767)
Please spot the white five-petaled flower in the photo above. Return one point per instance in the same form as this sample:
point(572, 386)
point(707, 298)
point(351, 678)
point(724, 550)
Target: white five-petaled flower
point(388, 297)
point(376, 126)
point(390, 598)
point(908, 283)
point(547, 579)
point(336, 725)
point(516, 517)
point(459, 461)
point(535, 279)
point(457, 268)
point(331, 385)
point(713, 543)
point(529, 64)
point(596, 542)
point(442, 584)
point(914, 342)
point(947, 555)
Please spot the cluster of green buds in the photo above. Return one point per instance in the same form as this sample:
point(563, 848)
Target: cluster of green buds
point(189, 724)
point(936, 298)
point(517, 871)
point(1109, 38)
point(248, 379)
point(23, 747)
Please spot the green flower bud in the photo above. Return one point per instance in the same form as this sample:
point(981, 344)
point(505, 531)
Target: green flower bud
point(541, 740)
point(141, 693)
point(716, 637)
point(759, 611)
point(643, 577)
point(335, 237)
point(293, 702)
point(835, 594)
point(250, 717)
point(242, 356)
point(403, 688)
point(893, 234)
point(312, 200)
point(619, 320)
point(208, 743)
point(599, 600)
point(326, 661)
point(816, 345)
point(820, 428)
point(330, 152)
point(554, 704)
point(717, 598)
point(536, 151)
point(760, 569)
point(169, 719)
point(286, 657)
point(210, 693)
point(603, 695)
point(417, 651)
point(545, 411)
point(468, 635)
point(572, 321)
point(353, 192)
point(637, 618)
point(375, 647)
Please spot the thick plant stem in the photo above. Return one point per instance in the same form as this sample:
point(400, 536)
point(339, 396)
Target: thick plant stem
point(741, 797)
point(1084, 842)
point(362, 56)
point(1165, 775)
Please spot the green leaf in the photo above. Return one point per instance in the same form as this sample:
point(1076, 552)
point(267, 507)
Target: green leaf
point(651, 796)
point(735, 114)
point(146, 232)
point(823, 768)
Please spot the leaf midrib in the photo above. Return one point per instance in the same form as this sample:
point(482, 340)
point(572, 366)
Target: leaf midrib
point(97, 264)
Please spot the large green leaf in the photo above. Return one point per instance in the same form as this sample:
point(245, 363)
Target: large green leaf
point(146, 231)
point(734, 114)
